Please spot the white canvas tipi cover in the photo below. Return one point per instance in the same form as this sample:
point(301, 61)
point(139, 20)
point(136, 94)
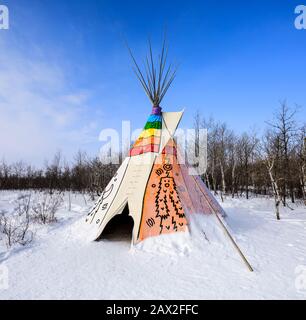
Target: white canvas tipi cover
point(157, 189)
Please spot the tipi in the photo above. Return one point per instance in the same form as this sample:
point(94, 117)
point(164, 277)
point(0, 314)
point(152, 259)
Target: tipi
point(159, 192)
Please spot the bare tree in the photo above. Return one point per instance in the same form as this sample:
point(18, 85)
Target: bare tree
point(212, 151)
point(285, 127)
point(271, 147)
point(53, 172)
point(45, 207)
point(232, 155)
point(15, 226)
point(301, 153)
point(246, 147)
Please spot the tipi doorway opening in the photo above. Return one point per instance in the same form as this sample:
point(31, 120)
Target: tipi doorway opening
point(119, 228)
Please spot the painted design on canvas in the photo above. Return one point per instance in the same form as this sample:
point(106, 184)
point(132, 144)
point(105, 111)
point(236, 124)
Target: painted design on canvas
point(162, 212)
point(149, 139)
point(101, 207)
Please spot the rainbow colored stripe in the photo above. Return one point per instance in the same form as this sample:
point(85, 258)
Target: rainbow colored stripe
point(149, 139)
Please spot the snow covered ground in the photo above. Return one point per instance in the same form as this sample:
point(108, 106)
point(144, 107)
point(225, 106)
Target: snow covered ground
point(61, 264)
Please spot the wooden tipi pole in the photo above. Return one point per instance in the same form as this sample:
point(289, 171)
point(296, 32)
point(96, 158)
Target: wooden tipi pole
point(226, 231)
point(223, 226)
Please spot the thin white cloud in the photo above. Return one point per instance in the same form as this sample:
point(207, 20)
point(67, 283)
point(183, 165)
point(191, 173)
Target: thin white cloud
point(76, 99)
point(40, 111)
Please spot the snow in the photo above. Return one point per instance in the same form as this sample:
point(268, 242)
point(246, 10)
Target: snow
point(61, 264)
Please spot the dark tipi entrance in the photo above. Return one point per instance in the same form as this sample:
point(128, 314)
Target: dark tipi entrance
point(119, 228)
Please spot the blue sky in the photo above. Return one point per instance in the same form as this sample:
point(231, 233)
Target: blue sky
point(65, 73)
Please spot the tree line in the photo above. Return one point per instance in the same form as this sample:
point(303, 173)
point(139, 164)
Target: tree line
point(272, 164)
point(84, 174)
point(239, 165)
